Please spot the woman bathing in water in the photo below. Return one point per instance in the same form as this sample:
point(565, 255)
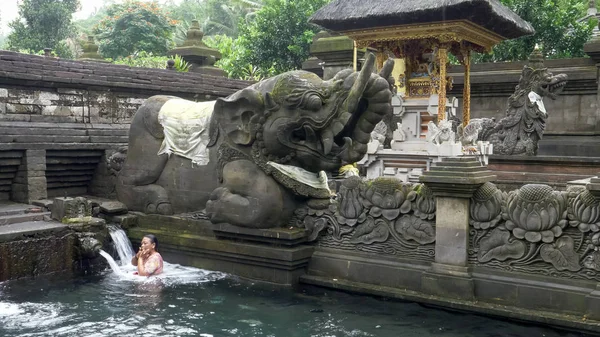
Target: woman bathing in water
point(148, 260)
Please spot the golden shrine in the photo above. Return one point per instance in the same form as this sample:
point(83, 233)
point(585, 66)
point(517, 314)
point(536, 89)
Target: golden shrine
point(423, 33)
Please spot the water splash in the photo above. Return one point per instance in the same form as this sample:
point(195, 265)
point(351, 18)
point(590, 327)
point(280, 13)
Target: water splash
point(113, 264)
point(122, 244)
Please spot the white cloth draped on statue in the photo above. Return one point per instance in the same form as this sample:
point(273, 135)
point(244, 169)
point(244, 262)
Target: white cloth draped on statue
point(186, 131)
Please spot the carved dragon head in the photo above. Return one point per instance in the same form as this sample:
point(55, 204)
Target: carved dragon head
point(542, 82)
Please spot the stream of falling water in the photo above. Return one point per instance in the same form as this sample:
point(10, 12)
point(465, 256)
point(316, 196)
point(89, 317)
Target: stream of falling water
point(122, 244)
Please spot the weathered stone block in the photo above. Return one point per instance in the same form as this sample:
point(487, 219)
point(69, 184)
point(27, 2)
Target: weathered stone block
point(46, 98)
point(3, 92)
point(113, 207)
point(71, 208)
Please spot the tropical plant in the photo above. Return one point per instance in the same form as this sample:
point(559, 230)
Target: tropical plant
point(148, 60)
point(279, 36)
point(43, 24)
point(558, 30)
point(134, 26)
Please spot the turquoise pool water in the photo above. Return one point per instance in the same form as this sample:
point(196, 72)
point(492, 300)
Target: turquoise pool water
point(193, 302)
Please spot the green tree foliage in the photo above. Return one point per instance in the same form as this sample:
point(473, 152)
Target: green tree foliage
point(134, 26)
point(43, 24)
point(558, 31)
point(187, 10)
point(275, 39)
point(147, 60)
point(225, 17)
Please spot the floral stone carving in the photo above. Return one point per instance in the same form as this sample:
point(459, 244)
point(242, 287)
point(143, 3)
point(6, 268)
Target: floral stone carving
point(532, 233)
point(383, 215)
point(584, 212)
point(486, 206)
point(536, 213)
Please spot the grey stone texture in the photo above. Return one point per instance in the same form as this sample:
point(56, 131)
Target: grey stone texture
point(29, 182)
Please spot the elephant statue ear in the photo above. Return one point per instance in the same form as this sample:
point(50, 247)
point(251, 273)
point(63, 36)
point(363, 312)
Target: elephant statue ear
point(237, 117)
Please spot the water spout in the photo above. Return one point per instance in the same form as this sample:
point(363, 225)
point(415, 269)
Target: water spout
point(111, 262)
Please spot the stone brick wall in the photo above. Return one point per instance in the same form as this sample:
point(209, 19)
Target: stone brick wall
point(62, 105)
point(40, 89)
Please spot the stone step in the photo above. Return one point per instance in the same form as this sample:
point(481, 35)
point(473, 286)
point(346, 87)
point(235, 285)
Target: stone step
point(108, 132)
point(12, 208)
point(15, 231)
point(4, 130)
point(18, 218)
point(11, 154)
point(72, 160)
point(74, 153)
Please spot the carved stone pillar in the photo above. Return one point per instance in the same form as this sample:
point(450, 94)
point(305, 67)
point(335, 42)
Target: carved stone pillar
point(335, 53)
point(90, 51)
point(466, 56)
point(453, 182)
point(201, 57)
point(442, 58)
point(593, 298)
point(592, 49)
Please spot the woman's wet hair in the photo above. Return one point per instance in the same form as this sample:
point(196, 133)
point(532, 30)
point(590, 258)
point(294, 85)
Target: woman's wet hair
point(153, 240)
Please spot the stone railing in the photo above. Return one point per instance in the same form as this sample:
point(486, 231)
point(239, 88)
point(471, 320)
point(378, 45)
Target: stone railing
point(456, 235)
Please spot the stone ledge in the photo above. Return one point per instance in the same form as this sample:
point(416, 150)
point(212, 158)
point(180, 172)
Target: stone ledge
point(278, 236)
point(456, 177)
point(536, 316)
point(26, 229)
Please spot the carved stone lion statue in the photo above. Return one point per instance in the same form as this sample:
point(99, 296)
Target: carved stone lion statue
point(252, 158)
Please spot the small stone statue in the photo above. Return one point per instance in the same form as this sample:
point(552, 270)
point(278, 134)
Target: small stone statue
point(440, 133)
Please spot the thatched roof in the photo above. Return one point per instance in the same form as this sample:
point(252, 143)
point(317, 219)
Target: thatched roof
point(345, 15)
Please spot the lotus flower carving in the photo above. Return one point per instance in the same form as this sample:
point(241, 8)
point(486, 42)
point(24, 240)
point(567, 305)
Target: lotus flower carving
point(388, 197)
point(535, 213)
point(584, 212)
point(350, 206)
point(424, 205)
point(486, 207)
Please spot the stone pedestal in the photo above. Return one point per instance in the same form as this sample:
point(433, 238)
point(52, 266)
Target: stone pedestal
point(453, 182)
point(30, 181)
point(201, 57)
point(90, 51)
point(334, 52)
point(67, 209)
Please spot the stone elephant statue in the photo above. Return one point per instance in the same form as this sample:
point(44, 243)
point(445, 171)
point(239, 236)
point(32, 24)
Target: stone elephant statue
point(252, 158)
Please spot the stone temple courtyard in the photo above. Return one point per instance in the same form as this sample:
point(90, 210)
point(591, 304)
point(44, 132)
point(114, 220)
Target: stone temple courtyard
point(390, 187)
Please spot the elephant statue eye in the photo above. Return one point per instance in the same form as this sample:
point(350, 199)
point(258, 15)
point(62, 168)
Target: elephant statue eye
point(314, 103)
